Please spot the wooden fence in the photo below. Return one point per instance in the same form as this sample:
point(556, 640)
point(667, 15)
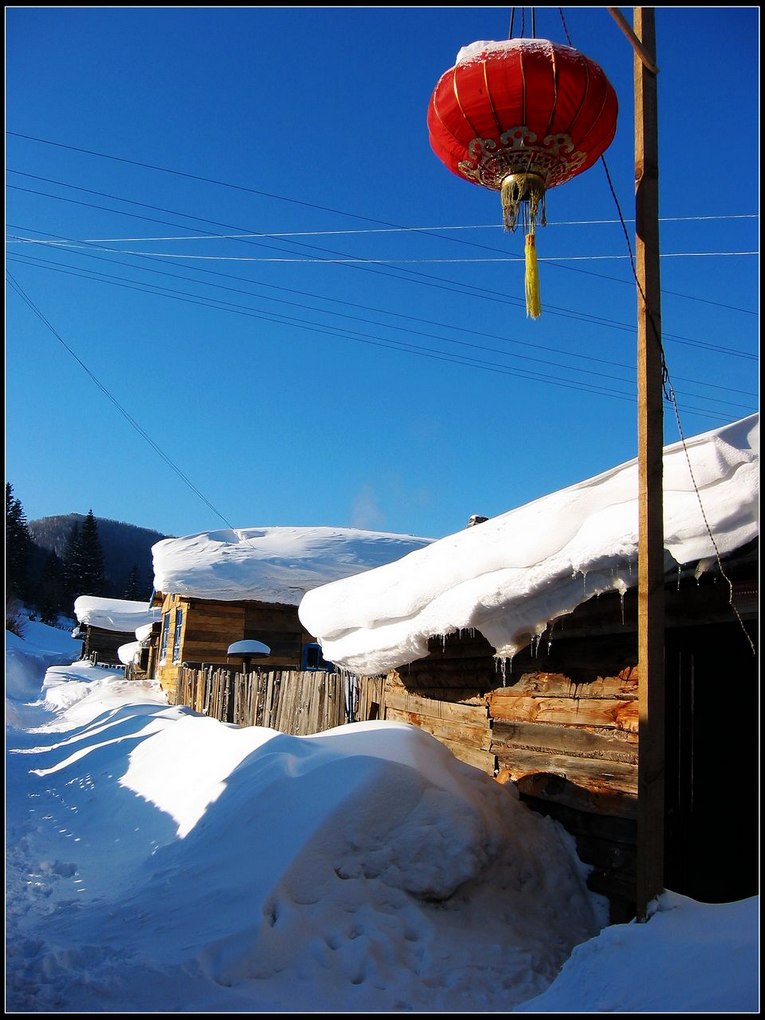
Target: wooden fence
point(298, 702)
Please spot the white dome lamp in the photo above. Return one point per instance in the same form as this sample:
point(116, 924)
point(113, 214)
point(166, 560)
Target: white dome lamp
point(248, 650)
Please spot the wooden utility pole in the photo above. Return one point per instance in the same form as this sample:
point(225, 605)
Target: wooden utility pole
point(650, 839)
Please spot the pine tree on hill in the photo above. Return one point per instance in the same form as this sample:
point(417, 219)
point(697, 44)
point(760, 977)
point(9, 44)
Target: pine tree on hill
point(92, 580)
point(50, 598)
point(84, 560)
point(124, 546)
point(18, 548)
point(70, 562)
point(133, 589)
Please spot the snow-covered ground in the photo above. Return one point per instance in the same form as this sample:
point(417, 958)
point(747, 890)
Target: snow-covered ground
point(161, 861)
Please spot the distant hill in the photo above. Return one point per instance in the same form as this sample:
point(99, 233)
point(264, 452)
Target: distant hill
point(124, 545)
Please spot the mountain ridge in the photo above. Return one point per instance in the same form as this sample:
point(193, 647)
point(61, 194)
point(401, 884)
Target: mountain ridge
point(125, 547)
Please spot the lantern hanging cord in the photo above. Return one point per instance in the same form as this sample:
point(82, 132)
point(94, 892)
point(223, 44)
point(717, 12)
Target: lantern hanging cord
point(523, 22)
point(565, 26)
point(533, 15)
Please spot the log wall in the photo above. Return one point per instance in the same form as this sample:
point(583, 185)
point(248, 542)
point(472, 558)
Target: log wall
point(569, 747)
point(101, 646)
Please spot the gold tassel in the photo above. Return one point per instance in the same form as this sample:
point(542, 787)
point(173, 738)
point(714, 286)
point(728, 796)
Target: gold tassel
point(533, 302)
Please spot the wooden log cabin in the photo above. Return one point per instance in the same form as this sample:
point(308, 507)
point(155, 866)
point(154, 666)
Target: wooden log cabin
point(560, 722)
point(106, 625)
point(216, 589)
point(199, 632)
point(557, 718)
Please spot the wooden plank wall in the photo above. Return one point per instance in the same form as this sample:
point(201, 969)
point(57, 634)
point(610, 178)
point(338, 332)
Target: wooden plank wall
point(571, 750)
point(208, 629)
point(291, 701)
point(279, 627)
point(101, 646)
point(444, 693)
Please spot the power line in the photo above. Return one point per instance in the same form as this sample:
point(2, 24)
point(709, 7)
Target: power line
point(342, 333)
point(450, 285)
point(425, 232)
point(361, 230)
point(365, 264)
point(197, 177)
point(400, 261)
point(128, 417)
point(435, 282)
point(429, 280)
point(430, 322)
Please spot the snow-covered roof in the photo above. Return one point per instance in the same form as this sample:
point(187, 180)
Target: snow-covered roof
point(144, 633)
point(119, 615)
point(273, 564)
point(127, 653)
point(514, 574)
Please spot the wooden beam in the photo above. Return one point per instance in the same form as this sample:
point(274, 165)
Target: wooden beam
point(621, 21)
point(650, 861)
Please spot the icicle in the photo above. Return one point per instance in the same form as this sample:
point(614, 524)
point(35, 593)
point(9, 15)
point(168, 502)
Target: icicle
point(549, 640)
point(500, 663)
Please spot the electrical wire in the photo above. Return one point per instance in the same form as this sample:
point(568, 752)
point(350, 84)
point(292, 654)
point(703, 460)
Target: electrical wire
point(432, 281)
point(252, 236)
point(342, 333)
point(110, 396)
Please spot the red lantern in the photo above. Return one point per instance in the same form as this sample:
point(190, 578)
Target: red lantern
point(520, 117)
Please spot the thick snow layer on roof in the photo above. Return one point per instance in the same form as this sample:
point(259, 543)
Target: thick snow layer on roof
point(512, 575)
point(128, 653)
point(144, 633)
point(114, 614)
point(271, 564)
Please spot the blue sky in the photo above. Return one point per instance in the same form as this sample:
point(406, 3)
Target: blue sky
point(342, 367)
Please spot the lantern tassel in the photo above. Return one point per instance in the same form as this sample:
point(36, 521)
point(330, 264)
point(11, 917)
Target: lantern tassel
point(533, 302)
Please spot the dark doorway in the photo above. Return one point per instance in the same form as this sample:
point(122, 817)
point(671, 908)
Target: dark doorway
point(712, 763)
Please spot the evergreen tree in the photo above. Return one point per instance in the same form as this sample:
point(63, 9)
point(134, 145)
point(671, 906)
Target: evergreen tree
point(18, 547)
point(71, 567)
point(91, 558)
point(50, 596)
point(84, 561)
point(133, 588)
